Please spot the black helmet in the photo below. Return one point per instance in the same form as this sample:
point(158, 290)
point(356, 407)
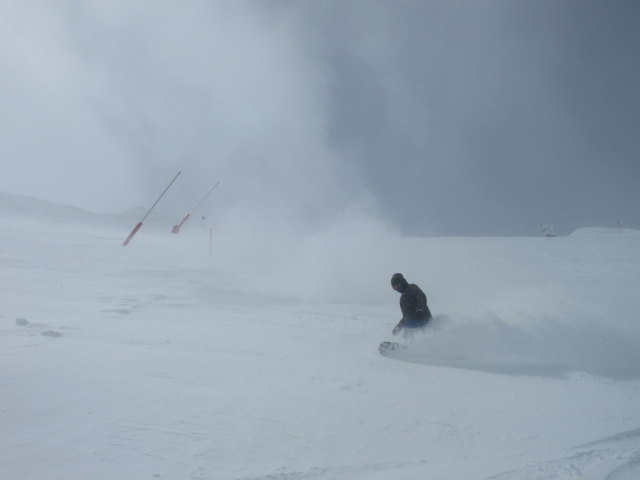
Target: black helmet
point(398, 280)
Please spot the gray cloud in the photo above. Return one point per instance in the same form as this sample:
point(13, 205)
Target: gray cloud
point(458, 117)
point(487, 117)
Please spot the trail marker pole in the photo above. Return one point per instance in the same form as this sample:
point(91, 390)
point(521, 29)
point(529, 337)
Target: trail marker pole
point(176, 228)
point(210, 243)
point(137, 227)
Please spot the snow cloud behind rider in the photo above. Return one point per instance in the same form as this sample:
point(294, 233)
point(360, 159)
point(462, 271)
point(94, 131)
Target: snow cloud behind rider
point(413, 304)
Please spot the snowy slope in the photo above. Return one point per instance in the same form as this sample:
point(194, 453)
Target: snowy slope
point(155, 361)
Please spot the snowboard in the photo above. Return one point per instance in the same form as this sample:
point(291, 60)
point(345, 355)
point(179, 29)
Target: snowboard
point(388, 349)
point(404, 352)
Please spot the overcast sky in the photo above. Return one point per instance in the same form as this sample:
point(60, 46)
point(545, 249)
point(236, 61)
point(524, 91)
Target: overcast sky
point(442, 117)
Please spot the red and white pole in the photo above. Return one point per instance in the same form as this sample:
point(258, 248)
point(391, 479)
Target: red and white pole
point(176, 228)
point(133, 232)
point(137, 227)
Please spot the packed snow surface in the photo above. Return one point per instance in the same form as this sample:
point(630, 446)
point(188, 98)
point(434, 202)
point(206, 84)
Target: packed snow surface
point(251, 358)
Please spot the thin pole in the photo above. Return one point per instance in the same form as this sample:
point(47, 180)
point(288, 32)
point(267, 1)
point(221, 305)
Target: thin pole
point(137, 227)
point(204, 198)
point(210, 243)
point(161, 195)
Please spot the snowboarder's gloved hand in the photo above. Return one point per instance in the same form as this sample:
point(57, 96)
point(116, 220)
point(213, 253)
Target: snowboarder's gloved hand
point(396, 329)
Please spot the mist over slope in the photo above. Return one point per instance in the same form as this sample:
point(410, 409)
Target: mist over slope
point(20, 206)
point(516, 305)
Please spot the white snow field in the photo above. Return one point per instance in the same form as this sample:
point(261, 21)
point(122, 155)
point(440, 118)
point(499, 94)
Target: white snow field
point(155, 361)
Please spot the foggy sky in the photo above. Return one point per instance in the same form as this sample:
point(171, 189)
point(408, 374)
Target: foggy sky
point(443, 117)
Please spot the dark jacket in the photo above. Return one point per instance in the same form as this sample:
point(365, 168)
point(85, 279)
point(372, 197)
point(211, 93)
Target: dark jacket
point(413, 303)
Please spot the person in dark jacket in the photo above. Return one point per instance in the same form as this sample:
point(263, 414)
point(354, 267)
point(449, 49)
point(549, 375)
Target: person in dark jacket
point(413, 304)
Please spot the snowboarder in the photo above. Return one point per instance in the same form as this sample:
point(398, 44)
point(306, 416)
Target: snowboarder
point(413, 303)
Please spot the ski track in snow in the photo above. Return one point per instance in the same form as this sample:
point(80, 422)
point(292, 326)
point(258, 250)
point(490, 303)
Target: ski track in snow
point(150, 362)
point(337, 473)
point(616, 457)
